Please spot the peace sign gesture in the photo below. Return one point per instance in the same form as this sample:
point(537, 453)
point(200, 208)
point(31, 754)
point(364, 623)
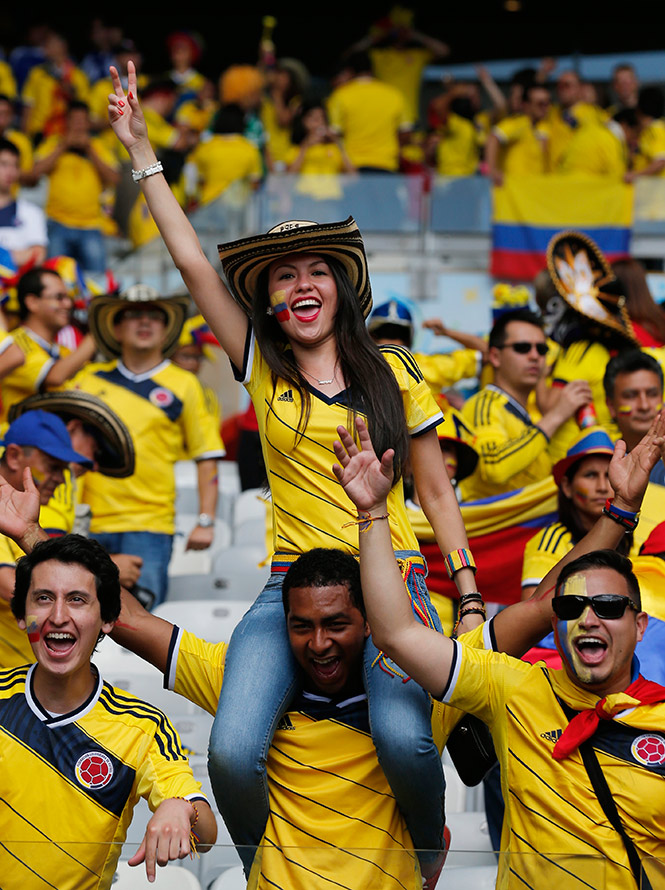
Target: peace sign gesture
point(125, 115)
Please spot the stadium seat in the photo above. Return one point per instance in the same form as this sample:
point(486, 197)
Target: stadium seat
point(470, 844)
point(237, 570)
point(477, 877)
point(210, 620)
point(231, 879)
point(170, 877)
point(196, 586)
point(250, 504)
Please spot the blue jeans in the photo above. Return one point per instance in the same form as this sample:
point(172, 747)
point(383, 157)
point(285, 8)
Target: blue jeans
point(86, 246)
point(260, 678)
point(154, 548)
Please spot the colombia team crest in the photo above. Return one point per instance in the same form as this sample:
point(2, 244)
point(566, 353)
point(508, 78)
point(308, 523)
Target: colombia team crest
point(93, 770)
point(649, 749)
point(161, 397)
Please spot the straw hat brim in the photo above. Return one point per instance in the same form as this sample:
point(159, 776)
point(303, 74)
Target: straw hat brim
point(116, 453)
point(245, 259)
point(589, 306)
point(102, 314)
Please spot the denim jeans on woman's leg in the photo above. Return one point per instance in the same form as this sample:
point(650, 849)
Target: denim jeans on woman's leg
point(260, 677)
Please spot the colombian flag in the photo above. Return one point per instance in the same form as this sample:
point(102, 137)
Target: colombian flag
point(498, 529)
point(529, 210)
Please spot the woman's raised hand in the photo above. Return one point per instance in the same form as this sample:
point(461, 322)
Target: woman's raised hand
point(125, 115)
point(366, 479)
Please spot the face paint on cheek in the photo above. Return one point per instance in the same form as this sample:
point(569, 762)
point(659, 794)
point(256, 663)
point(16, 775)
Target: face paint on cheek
point(279, 307)
point(566, 630)
point(580, 492)
point(38, 476)
point(32, 628)
point(625, 410)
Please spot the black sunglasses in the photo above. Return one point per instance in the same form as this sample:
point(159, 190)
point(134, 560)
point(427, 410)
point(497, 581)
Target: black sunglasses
point(606, 605)
point(523, 347)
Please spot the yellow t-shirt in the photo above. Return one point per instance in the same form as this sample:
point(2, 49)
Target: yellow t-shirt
point(651, 146)
point(29, 377)
point(220, 160)
point(75, 187)
point(369, 114)
point(47, 100)
point(166, 414)
point(309, 507)
point(447, 369)
point(403, 69)
point(562, 125)
point(458, 152)
point(523, 146)
point(21, 141)
point(595, 150)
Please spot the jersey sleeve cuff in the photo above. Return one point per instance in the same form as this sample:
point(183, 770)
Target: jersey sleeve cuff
point(172, 659)
point(430, 424)
point(242, 374)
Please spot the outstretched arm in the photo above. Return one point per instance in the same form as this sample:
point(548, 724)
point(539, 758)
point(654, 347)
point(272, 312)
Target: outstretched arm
point(523, 624)
point(226, 319)
point(422, 652)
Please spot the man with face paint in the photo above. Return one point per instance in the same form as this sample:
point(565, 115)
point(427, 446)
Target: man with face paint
point(555, 831)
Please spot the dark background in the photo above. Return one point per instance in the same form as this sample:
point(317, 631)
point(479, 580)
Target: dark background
point(317, 32)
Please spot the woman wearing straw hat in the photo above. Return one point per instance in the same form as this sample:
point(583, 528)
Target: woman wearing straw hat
point(293, 326)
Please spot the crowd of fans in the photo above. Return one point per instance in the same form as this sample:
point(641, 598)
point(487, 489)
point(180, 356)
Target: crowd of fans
point(555, 387)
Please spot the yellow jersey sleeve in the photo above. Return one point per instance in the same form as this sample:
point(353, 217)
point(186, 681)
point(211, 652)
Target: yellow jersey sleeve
point(543, 552)
point(446, 369)
point(195, 669)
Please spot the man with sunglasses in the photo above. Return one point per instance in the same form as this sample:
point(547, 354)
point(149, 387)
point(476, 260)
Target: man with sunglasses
point(569, 741)
point(513, 448)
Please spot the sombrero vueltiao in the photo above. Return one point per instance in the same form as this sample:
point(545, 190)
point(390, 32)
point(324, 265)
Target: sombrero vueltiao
point(103, 310)
point(115, 454)
point(244, 260)
point(586, 281)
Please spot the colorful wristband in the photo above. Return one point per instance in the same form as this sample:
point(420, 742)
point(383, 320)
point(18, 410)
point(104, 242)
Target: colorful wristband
point(627, 520)
point(459, 559)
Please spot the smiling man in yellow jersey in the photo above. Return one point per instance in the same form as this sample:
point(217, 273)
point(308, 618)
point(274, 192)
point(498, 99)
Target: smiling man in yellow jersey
point(164, 408)
point(44, 309)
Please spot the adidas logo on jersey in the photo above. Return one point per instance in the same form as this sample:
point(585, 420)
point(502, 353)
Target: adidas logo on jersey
point(552, 736)
point(285, 723)
point(286, 396)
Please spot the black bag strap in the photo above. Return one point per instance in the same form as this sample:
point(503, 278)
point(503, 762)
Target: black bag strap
point(604, 795)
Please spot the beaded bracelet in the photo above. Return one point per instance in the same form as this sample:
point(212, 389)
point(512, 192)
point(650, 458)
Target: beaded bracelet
point(459, 559)
point(462, 615)
point(193, 836)
point(628, 521)
point(364, 521)
point(150, 170)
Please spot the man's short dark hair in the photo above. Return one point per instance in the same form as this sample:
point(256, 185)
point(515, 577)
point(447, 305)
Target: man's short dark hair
point(627, 362)
point(498, 333)
point(603, 559)
point(31, 284)
point(72, 550)
point(78, 105)
point(8, 145)
point(651, 102)
point(530, 87)
point(627, 116)
point(323, 567)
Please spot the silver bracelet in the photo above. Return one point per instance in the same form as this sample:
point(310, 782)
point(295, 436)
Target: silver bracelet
point(138, 175)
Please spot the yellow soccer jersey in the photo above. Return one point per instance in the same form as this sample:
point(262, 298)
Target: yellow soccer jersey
point(554, 830)
point(28, 378)
point(562, 125)
point(523, 146)
point(309, 507)
point(165, 412)
point(513, 451)
point(651, 146)
point(75, 186)
point(46, 99)
point(444, 370)
point(369, 114)
point(76, 778)
point(583, 360)
point(57, 516)
point(544, 551)
point(21, 141)
point(14, 646)
point(403, 69)
point(596, 150)
point(458, 152)
point(327, 791)
point(222, 159)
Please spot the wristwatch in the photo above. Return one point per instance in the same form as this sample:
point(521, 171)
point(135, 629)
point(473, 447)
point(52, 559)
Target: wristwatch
point(205, 521)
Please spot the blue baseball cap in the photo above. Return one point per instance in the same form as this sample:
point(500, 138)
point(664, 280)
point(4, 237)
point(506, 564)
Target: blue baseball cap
point(393, 312)
point(46, 431)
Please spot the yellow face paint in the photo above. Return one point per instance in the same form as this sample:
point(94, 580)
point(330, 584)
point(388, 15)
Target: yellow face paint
point(566, 630)
point(625, 409)
point(279, 307)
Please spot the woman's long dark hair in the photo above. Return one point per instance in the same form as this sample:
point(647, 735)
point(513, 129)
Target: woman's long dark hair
point(569, 516)
point(369, 379)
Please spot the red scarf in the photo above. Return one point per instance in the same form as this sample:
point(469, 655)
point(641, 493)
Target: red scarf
point(584, 724)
